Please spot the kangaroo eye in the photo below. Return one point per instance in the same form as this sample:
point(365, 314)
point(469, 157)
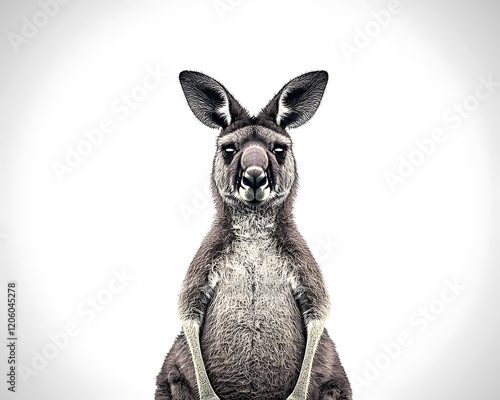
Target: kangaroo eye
point(228, 151)
point(279, 150)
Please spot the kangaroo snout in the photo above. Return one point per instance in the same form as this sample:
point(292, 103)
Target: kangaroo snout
point(254, 178)
point(254, 184)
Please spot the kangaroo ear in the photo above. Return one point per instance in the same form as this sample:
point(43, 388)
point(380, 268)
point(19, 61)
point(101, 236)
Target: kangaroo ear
point(297, 101)
point(210, 102)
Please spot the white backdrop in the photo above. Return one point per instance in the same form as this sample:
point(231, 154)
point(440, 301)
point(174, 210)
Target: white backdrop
point(103, 175)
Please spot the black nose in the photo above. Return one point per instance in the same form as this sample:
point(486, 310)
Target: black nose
point(254, 178)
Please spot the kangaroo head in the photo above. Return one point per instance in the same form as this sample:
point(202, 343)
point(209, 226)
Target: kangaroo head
point(254, 163)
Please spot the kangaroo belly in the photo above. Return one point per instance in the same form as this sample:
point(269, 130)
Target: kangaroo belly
point(253, 338)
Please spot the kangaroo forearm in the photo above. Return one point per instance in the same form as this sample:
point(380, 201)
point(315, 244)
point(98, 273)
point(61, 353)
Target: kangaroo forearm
point(314, 331)
point(192, 333)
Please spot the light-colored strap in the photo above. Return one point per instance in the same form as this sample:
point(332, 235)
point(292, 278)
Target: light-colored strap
point(314, 332)
point(192, 332)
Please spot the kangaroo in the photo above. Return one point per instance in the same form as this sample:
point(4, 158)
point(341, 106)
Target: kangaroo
point(253, 304)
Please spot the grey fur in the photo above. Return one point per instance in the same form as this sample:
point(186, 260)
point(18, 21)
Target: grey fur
point(253, 302)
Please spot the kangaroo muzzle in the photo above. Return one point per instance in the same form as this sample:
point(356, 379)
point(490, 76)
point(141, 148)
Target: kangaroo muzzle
point(254, 183)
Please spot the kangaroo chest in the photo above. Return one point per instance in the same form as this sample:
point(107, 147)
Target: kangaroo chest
point(252, 273)
point(251, 284)
point(253, 322)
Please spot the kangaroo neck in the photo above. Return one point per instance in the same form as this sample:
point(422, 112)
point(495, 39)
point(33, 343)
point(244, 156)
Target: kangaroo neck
point(253, 223)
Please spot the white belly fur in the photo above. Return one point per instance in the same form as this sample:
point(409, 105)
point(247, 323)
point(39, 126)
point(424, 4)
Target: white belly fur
point(253, 330)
